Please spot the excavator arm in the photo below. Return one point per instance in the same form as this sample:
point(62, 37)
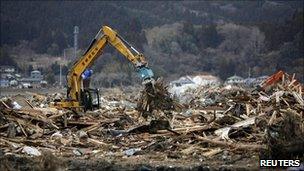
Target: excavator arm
point(106, 35)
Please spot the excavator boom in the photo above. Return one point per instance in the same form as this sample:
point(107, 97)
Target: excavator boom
point(77, 96)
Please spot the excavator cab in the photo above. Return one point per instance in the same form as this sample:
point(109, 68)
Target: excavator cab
point(90, 99)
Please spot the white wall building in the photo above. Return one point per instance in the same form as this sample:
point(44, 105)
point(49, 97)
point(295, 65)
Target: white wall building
point(206, 80)
point(181, 85)
point(234, 80)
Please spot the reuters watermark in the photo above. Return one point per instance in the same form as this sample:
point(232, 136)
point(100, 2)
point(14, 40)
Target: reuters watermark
point(280, 163)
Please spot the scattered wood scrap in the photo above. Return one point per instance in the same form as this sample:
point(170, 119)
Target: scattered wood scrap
point(215, 122)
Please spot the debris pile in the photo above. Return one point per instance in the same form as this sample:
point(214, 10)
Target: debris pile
point(156, 97)
point(214, 127)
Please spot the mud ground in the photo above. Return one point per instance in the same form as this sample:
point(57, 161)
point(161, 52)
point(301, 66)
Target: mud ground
point(140, 163)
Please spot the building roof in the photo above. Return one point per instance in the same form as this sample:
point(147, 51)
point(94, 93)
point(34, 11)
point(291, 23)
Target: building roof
point(249, 80)
point(235, 77)
point(206, 77)
point(263, 77)
point(30, 80)
point(4, 81)
point(36, 71)
point(183, 80)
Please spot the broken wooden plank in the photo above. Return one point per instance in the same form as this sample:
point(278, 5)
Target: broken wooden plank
point(91, 128)
point(29, 103)
point(298, 98)
point(4, 126)
point(185, 130)
point(4, 104)
point(272, 118)
point(57, 115)
point(96, 142)
point(11, 130)
point(212, 152)
point(223, 132)
point(22, 129)
point(240, 146)
point(81, 123)
point(65, 121)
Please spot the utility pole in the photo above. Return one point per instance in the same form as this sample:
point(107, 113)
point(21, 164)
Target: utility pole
point(76, 31)
point(60, 68)
point(60, 71)
point(249, 72)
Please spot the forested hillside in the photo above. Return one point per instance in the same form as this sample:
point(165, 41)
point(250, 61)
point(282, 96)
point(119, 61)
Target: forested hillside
point(178, 38)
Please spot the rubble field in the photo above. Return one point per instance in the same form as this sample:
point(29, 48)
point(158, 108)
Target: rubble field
point(207, 128)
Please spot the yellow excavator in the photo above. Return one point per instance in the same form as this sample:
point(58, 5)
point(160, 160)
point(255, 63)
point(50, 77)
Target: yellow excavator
point(83, 98)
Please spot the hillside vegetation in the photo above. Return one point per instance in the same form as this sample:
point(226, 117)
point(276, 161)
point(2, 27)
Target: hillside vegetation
point(178, 38)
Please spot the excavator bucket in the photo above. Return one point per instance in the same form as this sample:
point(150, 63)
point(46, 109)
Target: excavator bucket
point(146, 74)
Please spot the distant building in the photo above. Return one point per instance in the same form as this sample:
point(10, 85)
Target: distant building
point(182, 81)
point(4, 83)
point(7, 69)
point(234, 80)
point(201, 80)
point(13, 83)
point(260, 79)
point(3, 76)
point(206, 80)
point(252, 82)
point(181, 85)
point(249, 82)
point(36, 75)
point(35, 79)
point(17, 76)
point(7, 75)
